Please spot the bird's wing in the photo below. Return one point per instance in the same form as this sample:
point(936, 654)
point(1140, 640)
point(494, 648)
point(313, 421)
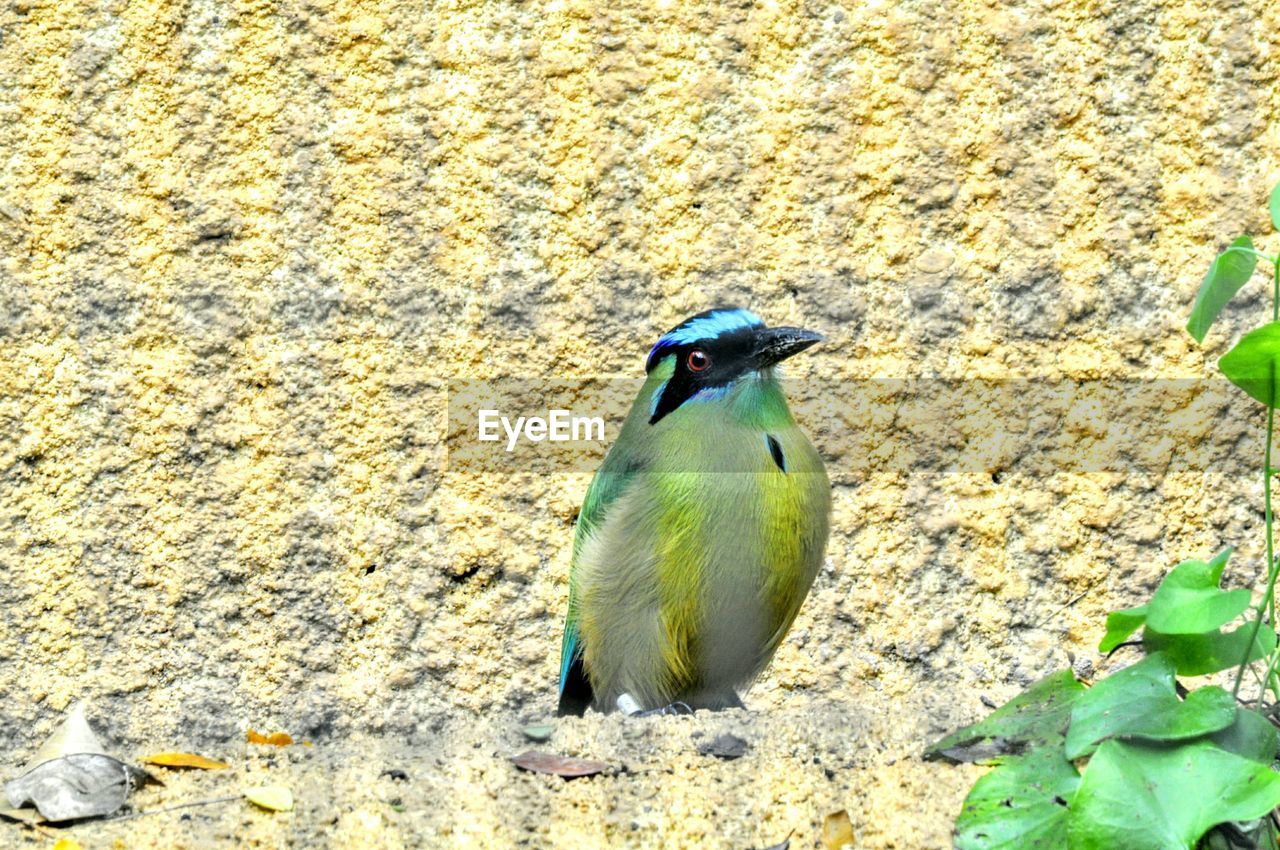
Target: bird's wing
point(615, 475)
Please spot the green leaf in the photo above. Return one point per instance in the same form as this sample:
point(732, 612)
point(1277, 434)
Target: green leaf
point(1230, 271)
point(1273, 206)
point(1020, 804)
point(1251, 365)
point(539, 733)
point(1140, 702)
point(1161, 798)
point(1036, 717)
point(1204, 710)
point(1121, 624)
point(1199, 655)
point(1252, 736)
point(1218, 563)
point(1189, 600)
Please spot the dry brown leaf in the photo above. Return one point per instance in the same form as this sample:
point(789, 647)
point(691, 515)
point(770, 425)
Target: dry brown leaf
point(566, 766)
point(80, 785)
point(180, 760)
point(72, 737)
point(27, 815)
point(72, 777)
point(837, 831)
point(275, 739)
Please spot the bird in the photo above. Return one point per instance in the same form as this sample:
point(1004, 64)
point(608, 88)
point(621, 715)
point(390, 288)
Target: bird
point(702, 530)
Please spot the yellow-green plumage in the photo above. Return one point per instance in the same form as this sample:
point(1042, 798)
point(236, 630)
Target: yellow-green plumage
point(695, 547)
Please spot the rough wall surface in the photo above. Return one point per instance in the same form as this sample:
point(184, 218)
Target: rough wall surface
point(244, 246)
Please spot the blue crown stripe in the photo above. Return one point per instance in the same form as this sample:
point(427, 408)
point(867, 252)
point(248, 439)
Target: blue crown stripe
point(705, 326)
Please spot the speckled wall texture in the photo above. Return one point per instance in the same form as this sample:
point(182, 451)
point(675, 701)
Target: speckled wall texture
point(245, 245)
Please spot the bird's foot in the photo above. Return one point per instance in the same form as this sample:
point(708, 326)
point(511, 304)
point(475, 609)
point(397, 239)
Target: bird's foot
point(627, 705)
point(674, 709)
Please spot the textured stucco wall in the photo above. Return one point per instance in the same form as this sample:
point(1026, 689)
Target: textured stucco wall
point(244, 246)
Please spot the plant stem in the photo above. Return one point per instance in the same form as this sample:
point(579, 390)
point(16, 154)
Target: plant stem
point(1272, 571)
point(1261, 682)
point(1275, 289)
point(1268, 604)
point(1268, 680)
point(1266, 495)
point(189, 805)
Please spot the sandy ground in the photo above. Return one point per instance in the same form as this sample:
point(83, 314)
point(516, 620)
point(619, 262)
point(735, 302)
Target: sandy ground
point(456, 787)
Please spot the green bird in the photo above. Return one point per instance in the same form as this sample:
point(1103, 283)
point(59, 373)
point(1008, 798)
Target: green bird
point(701, 532)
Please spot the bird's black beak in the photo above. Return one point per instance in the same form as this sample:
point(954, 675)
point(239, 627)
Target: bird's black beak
point(773, 345)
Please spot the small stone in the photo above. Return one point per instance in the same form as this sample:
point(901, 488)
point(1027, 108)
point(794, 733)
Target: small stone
point(725, 746)
point(934, 261)
point(939, 196)
point(1083, 668)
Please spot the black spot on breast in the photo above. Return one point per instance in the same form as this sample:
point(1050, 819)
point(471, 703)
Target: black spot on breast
point(775, 449)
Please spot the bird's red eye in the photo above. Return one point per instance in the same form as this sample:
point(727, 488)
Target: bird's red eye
point(698, 360)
